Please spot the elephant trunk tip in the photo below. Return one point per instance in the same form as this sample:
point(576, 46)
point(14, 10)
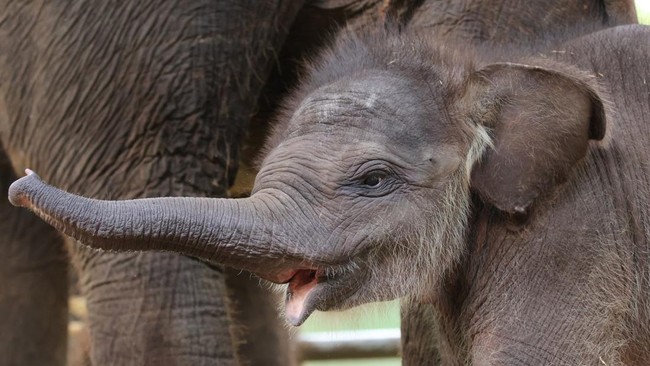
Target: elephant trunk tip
point(19, 190)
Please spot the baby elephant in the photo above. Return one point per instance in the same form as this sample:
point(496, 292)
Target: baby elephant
point(490, 187)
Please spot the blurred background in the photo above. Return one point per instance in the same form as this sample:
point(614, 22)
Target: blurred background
point(385, 316)
point(643, 10)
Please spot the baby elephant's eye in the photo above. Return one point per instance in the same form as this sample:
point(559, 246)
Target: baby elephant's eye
point(374, 179)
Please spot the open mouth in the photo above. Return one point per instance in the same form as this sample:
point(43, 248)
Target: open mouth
point(309, 289)
point(299, 304)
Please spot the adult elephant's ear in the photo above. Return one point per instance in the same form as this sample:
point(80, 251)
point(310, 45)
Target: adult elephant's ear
point(541, 120)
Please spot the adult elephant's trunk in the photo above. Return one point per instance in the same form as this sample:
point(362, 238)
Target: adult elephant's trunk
point(242, 233)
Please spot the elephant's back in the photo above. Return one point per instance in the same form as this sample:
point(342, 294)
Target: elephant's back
point(620, 59)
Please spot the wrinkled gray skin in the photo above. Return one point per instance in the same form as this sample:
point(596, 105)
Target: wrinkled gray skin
point(509, 192)
point(131, 95)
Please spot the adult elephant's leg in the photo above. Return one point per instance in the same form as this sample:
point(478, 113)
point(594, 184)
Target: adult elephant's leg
point(136, 99)
point(154, 310)
point(33, 286)
point(261, 331)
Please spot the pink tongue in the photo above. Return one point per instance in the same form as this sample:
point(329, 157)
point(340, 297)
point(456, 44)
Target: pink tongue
point(298, 290)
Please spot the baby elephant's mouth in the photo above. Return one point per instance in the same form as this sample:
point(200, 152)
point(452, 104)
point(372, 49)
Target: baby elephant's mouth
point(310, 289)
point(300, 287)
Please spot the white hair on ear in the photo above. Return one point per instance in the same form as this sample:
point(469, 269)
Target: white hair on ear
point(480, 143)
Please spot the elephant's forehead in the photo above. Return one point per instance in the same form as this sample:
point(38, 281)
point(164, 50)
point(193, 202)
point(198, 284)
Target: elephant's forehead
point(371, 113)
point(379, 102)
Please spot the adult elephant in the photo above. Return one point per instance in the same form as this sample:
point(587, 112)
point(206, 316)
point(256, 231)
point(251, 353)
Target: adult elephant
point(151, 98)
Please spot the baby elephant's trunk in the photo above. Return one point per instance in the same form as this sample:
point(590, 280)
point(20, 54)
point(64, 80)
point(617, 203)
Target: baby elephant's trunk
point(234, 232)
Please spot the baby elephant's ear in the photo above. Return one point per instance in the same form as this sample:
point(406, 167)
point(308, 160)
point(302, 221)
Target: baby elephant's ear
point(541, 120)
